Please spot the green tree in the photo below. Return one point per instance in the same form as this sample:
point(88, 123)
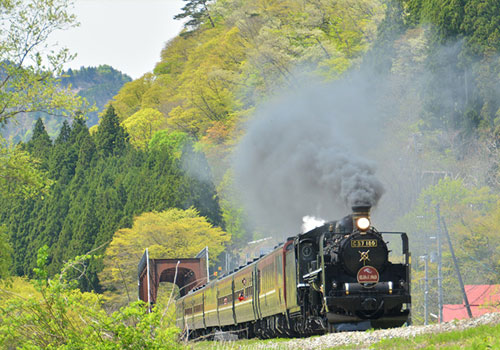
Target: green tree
point(40, 144)
point(197, 11)
point(28, 67)
point(128, 100)
point(64, 133)
point(20, 173)
point(111, 138)
point(5, 253)
point(168, 234)
point(142, 125)
point(481, 25)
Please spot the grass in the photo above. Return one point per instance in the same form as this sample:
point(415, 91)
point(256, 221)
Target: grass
point(245, 344)
point(478, 338)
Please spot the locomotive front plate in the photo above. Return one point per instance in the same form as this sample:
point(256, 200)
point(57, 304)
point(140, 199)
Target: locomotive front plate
point(363, 243)
point(368, 275)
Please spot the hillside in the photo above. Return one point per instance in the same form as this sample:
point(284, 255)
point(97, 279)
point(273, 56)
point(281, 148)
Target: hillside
point(258, 113)
point(97, 85)
point(418, 79)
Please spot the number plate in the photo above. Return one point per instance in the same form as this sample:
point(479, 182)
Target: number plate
point(363, 243)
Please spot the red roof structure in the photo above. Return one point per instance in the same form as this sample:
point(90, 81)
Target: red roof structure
point(483, 299)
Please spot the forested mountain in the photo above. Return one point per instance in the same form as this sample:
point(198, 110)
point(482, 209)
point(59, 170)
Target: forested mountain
point(437, 63)
point(97, 85)
point(440, 63)
point(100, 183)
point(163, 135)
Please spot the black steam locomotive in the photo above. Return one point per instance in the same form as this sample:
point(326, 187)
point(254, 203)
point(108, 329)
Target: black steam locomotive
point(335, 277)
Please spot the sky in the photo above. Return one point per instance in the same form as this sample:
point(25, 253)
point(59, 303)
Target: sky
point(125, 34)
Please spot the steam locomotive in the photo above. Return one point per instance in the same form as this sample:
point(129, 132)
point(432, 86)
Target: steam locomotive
point(335, 277)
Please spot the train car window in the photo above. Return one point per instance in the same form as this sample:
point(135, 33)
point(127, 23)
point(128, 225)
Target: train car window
point(225, 300)
point(198, 309)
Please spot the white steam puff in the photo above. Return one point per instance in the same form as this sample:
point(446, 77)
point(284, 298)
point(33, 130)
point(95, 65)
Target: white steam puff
point(299, 156)
point(311, 222)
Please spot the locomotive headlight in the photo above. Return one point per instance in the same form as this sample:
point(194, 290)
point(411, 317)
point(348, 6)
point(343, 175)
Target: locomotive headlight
point(363, 223)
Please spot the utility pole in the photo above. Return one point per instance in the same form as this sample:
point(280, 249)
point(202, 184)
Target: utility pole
point(440, 276)
point(426, 291)
point(457, 270)
point(425, 258)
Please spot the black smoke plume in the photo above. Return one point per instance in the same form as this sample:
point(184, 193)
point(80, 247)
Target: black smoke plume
point(305, 153)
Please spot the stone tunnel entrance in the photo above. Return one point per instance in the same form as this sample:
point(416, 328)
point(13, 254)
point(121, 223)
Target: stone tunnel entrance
point(191, 273)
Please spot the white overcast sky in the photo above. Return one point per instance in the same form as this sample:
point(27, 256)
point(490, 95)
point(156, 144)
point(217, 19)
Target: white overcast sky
point(125, 34)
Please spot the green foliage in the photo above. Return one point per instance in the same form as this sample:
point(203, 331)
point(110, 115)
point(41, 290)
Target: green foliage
point(238, 54)
point(28, 69)
point(170, 142)
point(5, 254)
point(197, 11)
point(128, 100)
point(481, 337)
point(97, 85)
point(481, 26)
point(211, 78)
point(173, 233)
point(111, 138)
point(101, 183)
point(472, 218)
point(233, 214)
point(57, 316)
point(21, 173)
point(142, 125)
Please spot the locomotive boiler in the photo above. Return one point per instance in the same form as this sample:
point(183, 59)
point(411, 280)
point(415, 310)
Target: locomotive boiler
point(339, 276)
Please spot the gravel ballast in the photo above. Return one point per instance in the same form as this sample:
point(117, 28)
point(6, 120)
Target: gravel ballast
point(370, 337)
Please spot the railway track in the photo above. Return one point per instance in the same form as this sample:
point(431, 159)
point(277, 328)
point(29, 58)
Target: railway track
point(365, 339)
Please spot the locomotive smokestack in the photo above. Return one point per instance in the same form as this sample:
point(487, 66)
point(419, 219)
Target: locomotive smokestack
point(361, 210)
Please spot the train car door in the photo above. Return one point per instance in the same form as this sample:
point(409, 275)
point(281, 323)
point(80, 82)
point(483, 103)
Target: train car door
point(217, 305)
point(203, 309)
point(256, 292)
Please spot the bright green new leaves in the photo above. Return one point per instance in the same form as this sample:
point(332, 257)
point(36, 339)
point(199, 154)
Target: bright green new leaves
point(28, 64)
point(208, 84)
point(51, 314)
point(456, 201)
point(128, 100)
point(210, 79)
point(142, 125)
point(173, 233)
point(169, 142)
point(28, 67)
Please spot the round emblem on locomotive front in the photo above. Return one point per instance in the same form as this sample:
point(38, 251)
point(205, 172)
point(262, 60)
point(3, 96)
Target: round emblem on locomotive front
point(368, 275)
